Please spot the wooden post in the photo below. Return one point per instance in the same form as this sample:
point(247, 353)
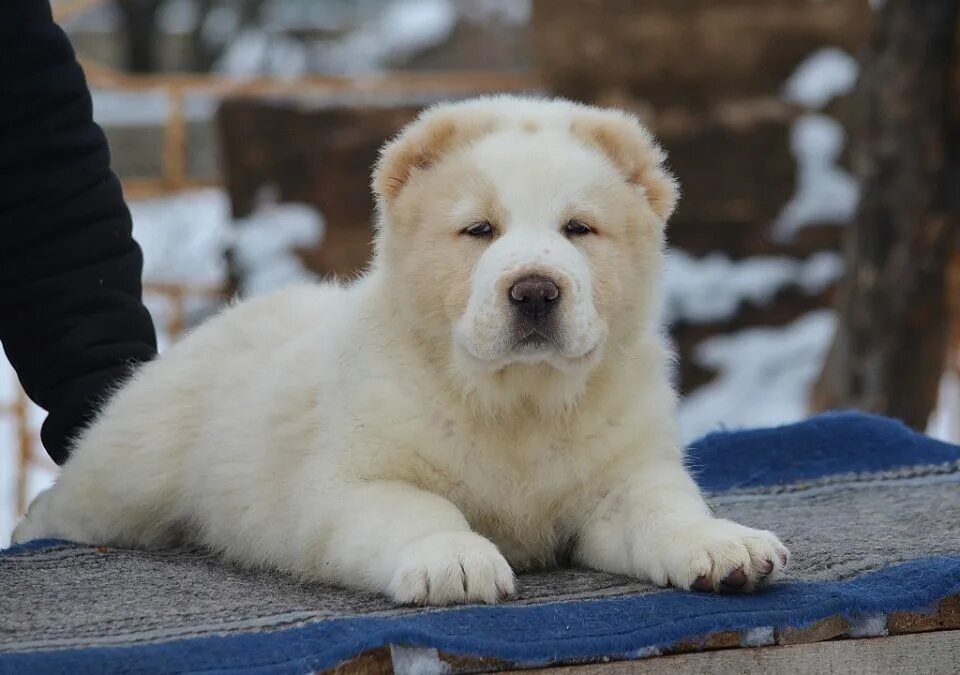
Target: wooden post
point(175, 141)
point(25, 445)
point(891, 346)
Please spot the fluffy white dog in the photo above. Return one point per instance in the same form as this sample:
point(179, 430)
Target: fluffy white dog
point(493, 394)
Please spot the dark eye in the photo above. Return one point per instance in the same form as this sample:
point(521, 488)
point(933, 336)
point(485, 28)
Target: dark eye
point(481, 229)
point(577, 228)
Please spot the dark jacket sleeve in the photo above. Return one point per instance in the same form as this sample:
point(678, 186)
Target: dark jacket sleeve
point(72, 321)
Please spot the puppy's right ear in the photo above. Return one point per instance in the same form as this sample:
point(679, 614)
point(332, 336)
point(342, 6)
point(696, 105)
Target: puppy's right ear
point(420, 145)
point(630, 147)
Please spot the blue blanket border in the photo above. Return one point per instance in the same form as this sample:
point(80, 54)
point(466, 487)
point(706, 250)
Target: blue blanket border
point(525, 635)
point(824, 445)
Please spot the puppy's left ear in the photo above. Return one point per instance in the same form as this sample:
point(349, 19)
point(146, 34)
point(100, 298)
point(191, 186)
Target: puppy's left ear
point(633, 151)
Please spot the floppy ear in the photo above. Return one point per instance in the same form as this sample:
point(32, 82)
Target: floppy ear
point(631, 148)
point(435, 133)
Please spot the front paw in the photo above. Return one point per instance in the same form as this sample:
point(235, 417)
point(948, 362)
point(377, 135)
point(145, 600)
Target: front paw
point(717, 555)
point(451, 568)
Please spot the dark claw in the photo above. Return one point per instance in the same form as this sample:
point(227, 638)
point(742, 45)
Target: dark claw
point(783, 558)
point(767, 569)
point(734, 581)
point(702, 584)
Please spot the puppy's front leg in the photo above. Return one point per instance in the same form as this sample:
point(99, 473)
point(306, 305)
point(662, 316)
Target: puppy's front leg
point(413, 545)
point(655, 524)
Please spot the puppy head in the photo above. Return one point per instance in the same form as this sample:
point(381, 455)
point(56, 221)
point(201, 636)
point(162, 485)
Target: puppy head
point(523, 237)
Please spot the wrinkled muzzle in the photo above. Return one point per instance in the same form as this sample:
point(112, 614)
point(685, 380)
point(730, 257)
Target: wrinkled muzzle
point(531, 301)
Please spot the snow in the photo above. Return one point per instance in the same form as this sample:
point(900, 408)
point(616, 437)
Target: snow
point(825, 192)
point(714, 287)
point(765, 375)
point(130, 108)
point(417, 661)
point(508, 12)
point(821, 77)
point(178, 16)
point(399, 29)
point(255, 52)
point(264, 242)
point(945, 420)
point(416, 24)
point(8, 478)
point(115, 108)
point(221, 23)
point(183, 237)
point(307, 14)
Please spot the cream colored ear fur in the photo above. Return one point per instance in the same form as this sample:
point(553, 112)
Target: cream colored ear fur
point(441, 129)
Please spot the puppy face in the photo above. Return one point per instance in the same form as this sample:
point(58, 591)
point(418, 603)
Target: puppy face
point(523, 232)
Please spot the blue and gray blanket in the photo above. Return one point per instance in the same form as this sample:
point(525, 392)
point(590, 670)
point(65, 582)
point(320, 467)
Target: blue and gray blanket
point(869, 509)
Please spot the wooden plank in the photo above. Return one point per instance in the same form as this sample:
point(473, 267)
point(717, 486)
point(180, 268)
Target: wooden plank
point(923, 653)
point(826, 629)
point(946, 617)
point(799, 643)
point(374, 662)
point(380, 84)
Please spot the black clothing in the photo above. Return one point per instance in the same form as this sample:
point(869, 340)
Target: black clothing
point(72, 321)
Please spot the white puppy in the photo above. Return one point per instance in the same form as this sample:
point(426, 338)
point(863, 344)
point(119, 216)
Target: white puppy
point(493, 393)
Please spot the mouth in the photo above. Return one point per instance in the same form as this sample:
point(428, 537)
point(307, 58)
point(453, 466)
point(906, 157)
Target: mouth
point(535, 339)
point(543, 344)
point(531, 343)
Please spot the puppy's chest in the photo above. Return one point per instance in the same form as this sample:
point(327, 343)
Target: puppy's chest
point(528, 496)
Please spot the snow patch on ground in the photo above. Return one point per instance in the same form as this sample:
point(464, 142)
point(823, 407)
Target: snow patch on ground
point(398, 30)
point(130, 108)
point(821, 77)
point(264, 242)
point(8, 479)
point(945, 420)
point(256, 52)
point(509, 12)
point(401, 29)
point(183, 237)
point(115, 108)
point(712, 288)
point(764, 378)
point(178, 16)
point(825, 192)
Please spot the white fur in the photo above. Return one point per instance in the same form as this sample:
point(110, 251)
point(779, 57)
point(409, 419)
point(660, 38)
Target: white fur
point(388, 436)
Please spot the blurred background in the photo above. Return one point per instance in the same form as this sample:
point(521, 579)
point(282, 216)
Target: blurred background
point(813, 260)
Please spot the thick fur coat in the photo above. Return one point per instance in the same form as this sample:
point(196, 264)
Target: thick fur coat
point(492, 395)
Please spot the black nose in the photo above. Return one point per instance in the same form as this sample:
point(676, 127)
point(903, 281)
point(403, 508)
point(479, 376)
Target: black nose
point(534, 296)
